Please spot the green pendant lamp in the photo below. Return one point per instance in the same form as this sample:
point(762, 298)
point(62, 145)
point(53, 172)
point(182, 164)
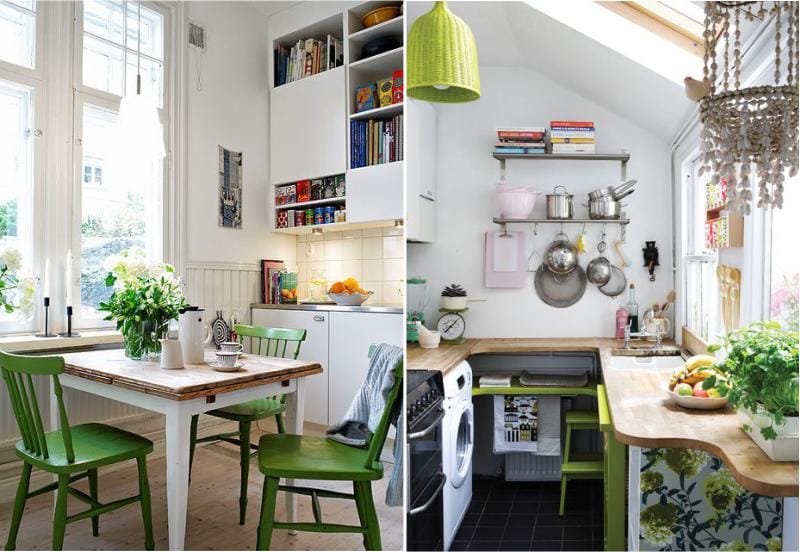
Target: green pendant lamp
point(442, 58)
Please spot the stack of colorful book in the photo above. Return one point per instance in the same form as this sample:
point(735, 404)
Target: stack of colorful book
point(376, 142)
point(572, 136)
point(520, 140)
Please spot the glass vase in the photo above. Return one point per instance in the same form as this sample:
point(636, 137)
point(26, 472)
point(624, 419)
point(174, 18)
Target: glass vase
point(142, 339)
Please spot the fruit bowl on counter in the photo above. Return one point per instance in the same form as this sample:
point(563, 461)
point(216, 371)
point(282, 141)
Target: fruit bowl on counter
point(348, 293)
point(698, 384)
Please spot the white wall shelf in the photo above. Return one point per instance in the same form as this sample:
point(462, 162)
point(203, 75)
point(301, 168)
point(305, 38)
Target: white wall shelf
point(385, 112)
point(305, 204)
point(333, 227)
point(381, 63)
point(393, 27)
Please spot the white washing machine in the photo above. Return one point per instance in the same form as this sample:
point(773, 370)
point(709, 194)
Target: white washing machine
point(458, 436)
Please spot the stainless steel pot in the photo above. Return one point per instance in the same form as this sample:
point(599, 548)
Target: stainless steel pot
point(561, 256)
point(560, 206)
point(611, 191)
point(604, 209)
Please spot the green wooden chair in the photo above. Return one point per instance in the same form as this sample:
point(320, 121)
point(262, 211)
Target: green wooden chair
point(578, 465)
point(318, 458)
point(276, 342)
point(71, 453)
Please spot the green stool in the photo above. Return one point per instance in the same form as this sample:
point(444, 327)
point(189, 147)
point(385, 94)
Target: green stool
point(276, 342)
point(318, 458)
point(71, 453)
point(580, 466)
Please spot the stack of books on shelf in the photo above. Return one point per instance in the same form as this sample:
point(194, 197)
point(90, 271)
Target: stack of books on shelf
point(572, 136)
point(376, 142)
point(307, 57)
point(520, 140)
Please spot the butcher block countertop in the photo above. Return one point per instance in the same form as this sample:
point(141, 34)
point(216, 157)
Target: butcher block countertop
point(642, 413)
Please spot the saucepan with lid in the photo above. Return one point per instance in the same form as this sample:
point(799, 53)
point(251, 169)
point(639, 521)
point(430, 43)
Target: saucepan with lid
point(559, 205)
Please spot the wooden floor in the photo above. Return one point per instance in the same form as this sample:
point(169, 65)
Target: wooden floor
point(213, 512)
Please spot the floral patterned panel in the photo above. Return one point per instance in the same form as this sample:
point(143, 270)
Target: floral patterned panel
point(690, 501)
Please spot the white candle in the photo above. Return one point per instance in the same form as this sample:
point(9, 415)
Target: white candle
point(46, 282)
point(69, 278)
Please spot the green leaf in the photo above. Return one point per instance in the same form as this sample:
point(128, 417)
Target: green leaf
point(709, 382)
point(714, 348)
point(110, 279)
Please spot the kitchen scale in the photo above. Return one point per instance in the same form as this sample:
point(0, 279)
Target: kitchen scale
point(452, 326)
point(417, 301)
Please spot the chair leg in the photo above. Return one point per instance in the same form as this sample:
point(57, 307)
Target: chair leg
point(373, 535)
point(281, 424)
point(244, 464)
point(192, 442)
point(144, 493)
point(267, 518)
point(60, 512)
point(93, 494)
point(563, 495)
point(19, 506)
point(362, 514)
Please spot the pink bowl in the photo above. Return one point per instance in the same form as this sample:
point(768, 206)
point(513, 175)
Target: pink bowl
point(515, 204)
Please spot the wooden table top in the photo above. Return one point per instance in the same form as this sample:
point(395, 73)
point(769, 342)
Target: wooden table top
point(642, 413)
point(111, 366)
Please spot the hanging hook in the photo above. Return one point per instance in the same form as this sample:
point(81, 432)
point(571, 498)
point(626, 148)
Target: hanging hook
point(536, 229)
point(505, 231)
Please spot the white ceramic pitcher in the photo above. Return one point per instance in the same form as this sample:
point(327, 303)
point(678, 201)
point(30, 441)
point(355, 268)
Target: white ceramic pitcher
point(193, 333)
point(171, 354)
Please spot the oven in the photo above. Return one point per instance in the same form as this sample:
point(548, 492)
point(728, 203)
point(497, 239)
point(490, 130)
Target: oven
point(424, 415)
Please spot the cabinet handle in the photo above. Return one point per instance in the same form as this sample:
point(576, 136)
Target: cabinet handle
point(319, 318)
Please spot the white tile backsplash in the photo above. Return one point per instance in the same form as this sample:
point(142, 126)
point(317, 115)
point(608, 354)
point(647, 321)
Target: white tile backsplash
point(374, 256)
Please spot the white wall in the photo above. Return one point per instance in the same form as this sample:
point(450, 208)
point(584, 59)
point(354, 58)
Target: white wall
point(465, 205)
point(231, 110)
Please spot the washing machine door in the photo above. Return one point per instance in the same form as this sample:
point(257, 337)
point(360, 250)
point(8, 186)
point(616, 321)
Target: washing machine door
point(461, 432)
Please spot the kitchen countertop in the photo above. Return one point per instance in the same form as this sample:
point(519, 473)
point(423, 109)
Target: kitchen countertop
point(642, 414)
point(385, 309)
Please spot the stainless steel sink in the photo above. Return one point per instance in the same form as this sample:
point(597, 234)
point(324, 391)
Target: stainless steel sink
point(629, 362)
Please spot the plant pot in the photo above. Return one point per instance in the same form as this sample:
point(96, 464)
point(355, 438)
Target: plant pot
point(142, 338)
point(784, 448)
point(454, 303)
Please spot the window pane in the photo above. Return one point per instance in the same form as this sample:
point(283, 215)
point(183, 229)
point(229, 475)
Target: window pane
point(102, 65)
point(17, 35)
point(152, 38)
point(16, 185)
point(785, 271)
point(152, 77)
point(103, 18)
point(117, 213)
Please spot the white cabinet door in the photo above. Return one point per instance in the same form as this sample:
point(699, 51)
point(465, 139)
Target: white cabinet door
point(351, 334)
point(315, 348)
point(308, 128)
point(421, 176)
point(375, 193)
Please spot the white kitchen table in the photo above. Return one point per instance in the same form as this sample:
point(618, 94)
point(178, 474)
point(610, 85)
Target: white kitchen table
point(179, 395)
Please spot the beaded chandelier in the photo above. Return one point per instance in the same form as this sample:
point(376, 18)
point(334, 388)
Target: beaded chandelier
point(752, 129)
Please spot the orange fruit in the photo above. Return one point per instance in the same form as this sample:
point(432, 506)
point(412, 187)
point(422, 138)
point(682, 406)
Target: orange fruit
point(362, 291)
point(351, 284)
point(338, 287)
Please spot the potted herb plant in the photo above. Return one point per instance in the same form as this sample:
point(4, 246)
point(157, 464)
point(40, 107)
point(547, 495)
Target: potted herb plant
point(762, 383)
point(454, 297)
point(146, 297)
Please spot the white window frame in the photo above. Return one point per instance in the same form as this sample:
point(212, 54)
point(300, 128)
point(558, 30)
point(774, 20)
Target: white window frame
point(33, 79)
point(87, 95)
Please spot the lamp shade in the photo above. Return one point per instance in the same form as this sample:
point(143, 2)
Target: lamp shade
point(442, 58)
point(139, 131)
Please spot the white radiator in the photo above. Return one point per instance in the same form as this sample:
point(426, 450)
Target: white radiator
point(531, 467)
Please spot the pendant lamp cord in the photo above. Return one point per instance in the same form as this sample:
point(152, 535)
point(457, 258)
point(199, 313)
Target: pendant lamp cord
point(138, 47)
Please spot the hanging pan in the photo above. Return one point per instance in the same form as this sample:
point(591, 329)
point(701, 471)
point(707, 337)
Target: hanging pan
point(560, 290)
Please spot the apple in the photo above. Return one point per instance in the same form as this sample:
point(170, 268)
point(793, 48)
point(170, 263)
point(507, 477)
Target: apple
point(699, 391)
point(683, 389)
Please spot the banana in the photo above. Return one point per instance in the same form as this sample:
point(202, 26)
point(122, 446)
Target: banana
point(699, 361)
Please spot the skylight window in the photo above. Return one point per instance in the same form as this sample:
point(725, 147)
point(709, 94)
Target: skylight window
point(665, 37)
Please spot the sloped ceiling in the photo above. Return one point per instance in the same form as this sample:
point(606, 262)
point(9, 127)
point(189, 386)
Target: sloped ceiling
point(514, 34)
point(268, 7)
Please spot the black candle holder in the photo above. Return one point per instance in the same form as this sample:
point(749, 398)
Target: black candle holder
point(69, 332)
point(46, 320)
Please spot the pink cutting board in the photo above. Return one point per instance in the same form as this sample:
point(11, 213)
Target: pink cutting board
point(510, 279)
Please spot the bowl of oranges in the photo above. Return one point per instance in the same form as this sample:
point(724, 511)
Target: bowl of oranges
point(348, 293)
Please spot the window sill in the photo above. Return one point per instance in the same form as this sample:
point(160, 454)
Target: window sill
point(31, 344)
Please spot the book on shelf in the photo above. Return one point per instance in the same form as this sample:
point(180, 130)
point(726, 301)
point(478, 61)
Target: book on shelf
point(521, 129)
point(572, 124)
point(520, 135)
point(571, 134)
point(306, 58)
point(577, 140)
point(519, 150)
point(269, 267)
point(573, 148)
point(375, 142)
point(520, 144)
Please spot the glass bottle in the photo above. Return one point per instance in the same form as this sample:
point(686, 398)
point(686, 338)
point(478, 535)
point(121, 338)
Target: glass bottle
point(633, 310)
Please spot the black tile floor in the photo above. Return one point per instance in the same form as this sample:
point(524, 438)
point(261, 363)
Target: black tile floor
point(524, 516)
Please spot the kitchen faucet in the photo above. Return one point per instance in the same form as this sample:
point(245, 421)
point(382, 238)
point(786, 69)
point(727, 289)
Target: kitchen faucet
point(628, 335)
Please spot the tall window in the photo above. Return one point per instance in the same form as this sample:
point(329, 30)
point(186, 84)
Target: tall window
point(785, 267)
point(18, 32)
point(118, 210)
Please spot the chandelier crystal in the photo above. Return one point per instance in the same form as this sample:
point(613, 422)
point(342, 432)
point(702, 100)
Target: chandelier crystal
point(754, 129)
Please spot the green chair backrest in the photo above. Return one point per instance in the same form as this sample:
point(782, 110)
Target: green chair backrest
point(393, 403)
point(17, 371)
point(276, 342)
